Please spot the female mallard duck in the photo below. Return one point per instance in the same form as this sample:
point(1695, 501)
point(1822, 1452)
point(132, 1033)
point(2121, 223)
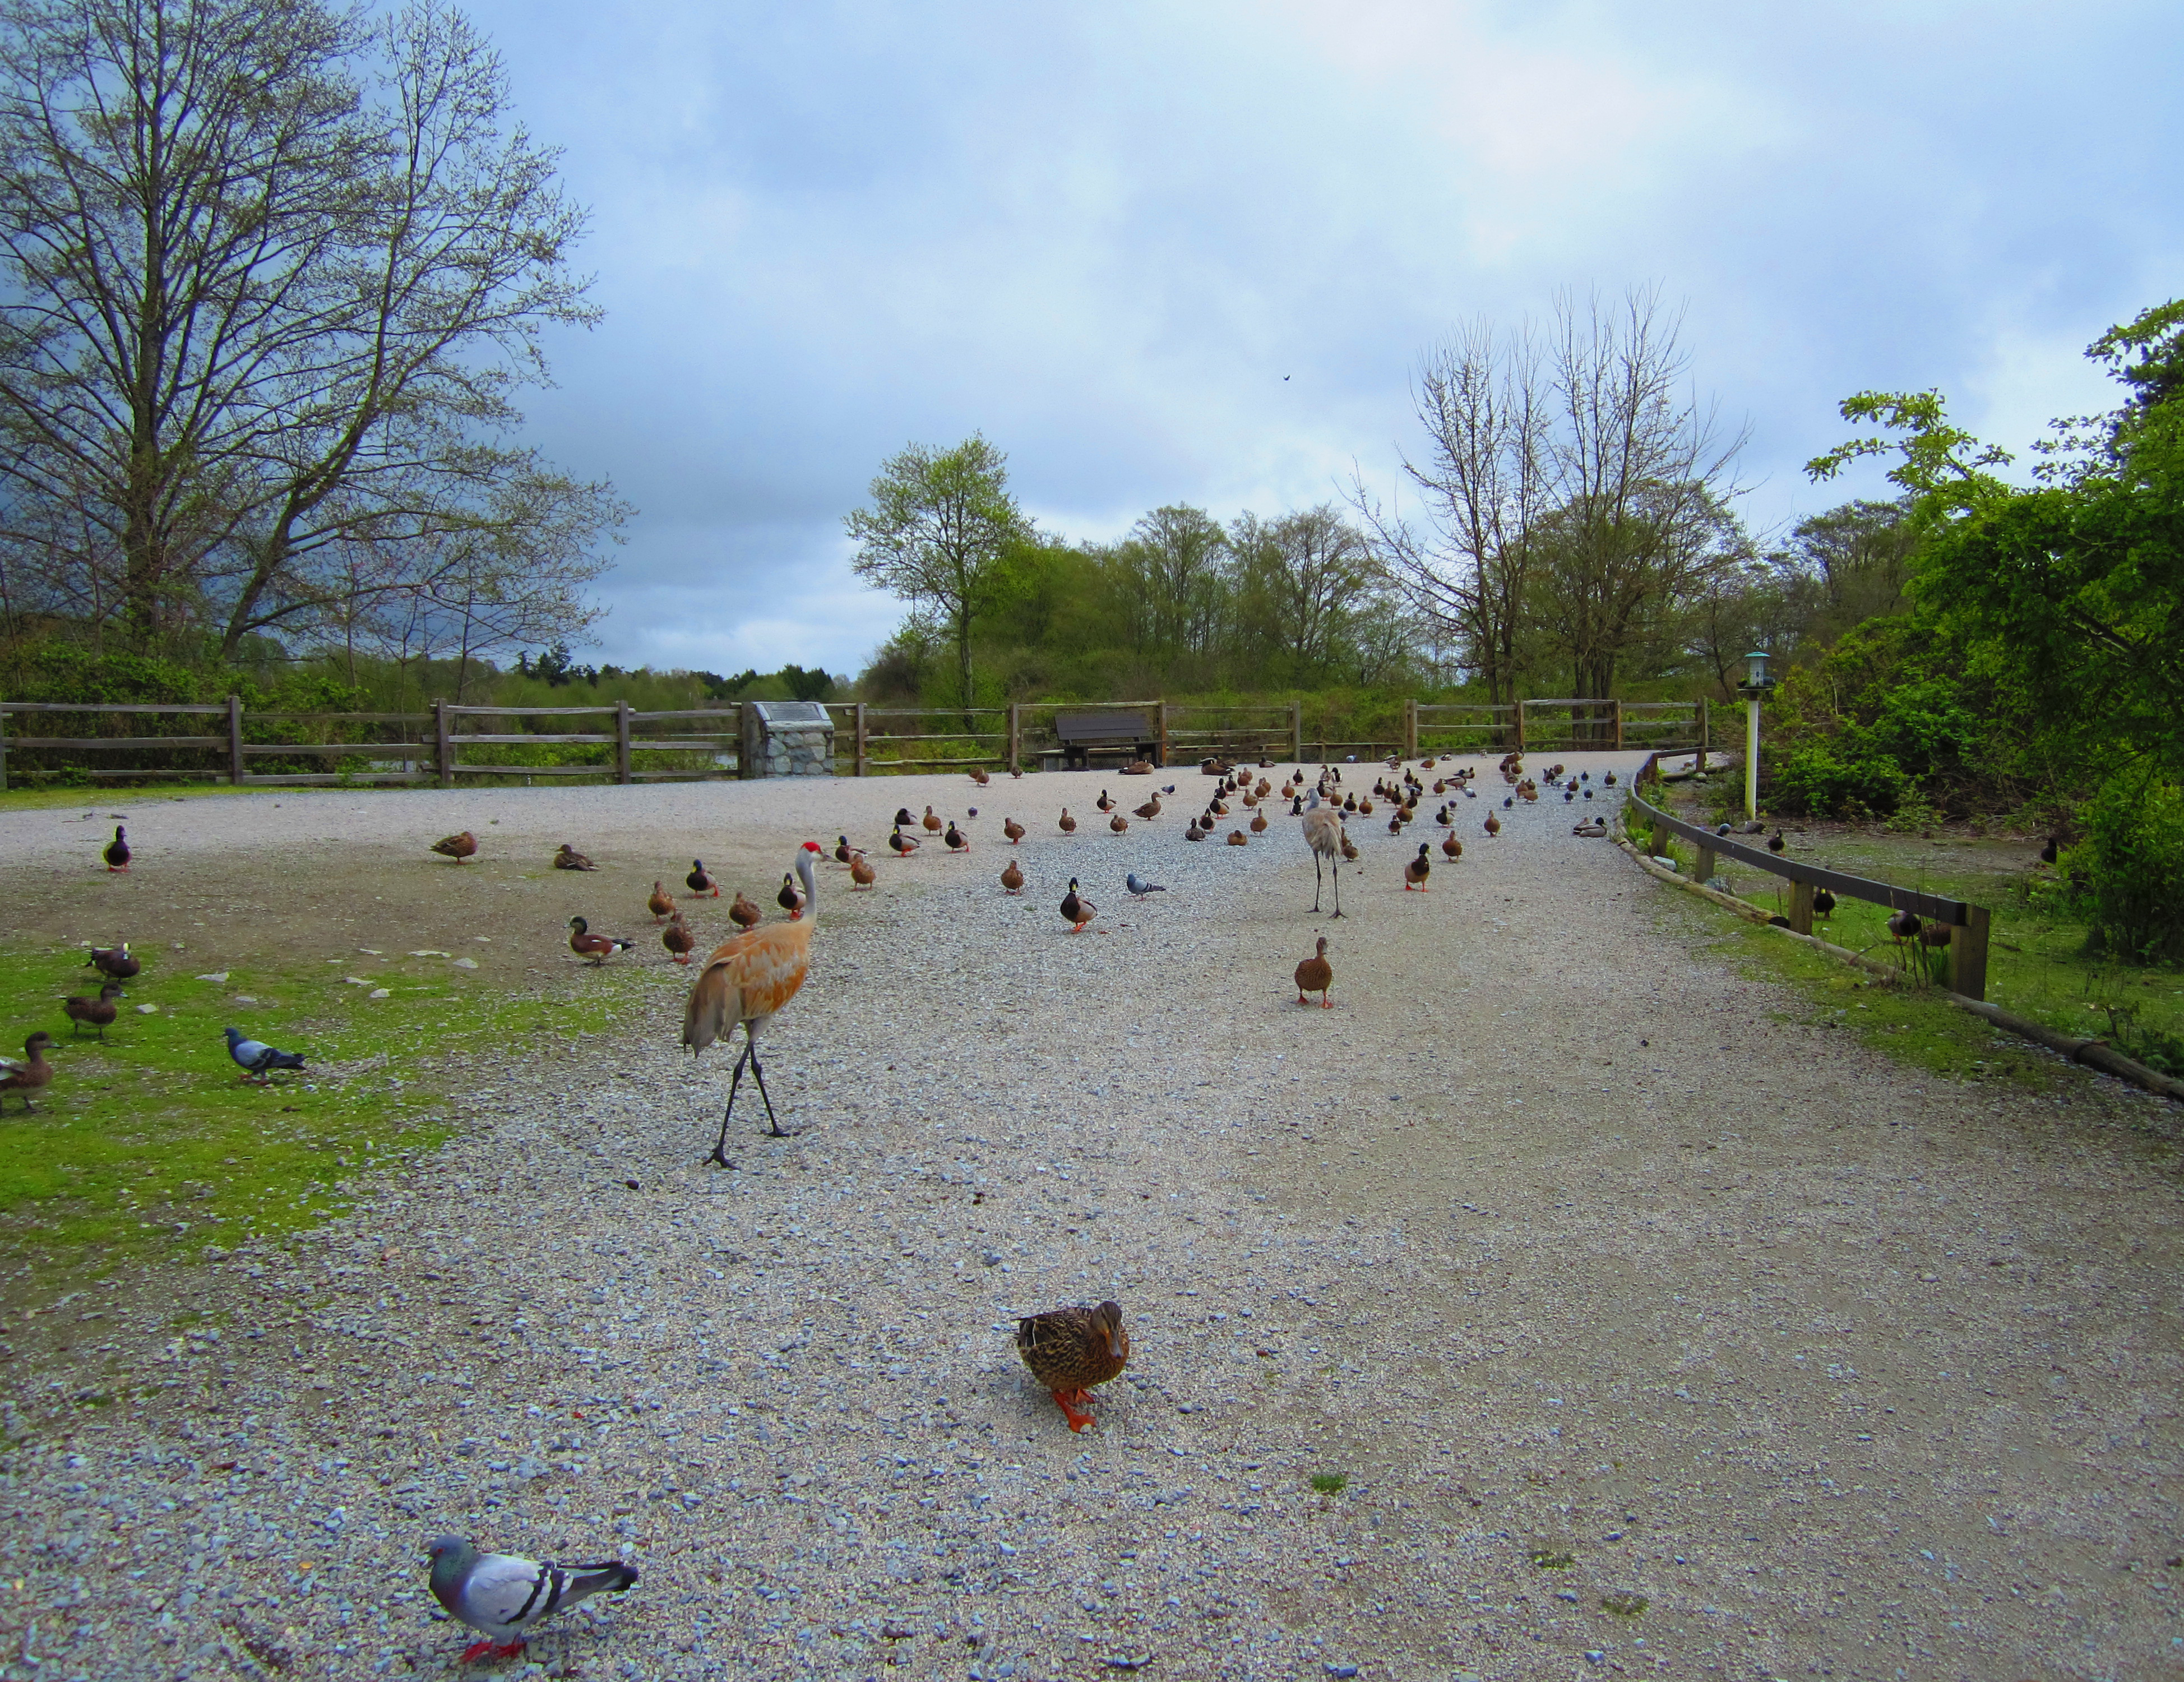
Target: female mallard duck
point(570, 859)
point(1316, 975)
point(1013, 830)
point(99, 1012)
point(661, 904)
point(862, 873)
point(1118, 823)
point(1450, 846)
point(456, 847)
point(33, 1074)
point(744, 911)
point(933, 825)
point(677, 939)
point(1069, 823)
point(598, 947)
point(1012, 879)
point(1070, 1350)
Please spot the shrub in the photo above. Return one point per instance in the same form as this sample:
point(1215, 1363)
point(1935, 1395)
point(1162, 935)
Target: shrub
point(1814, 780)
point(2133, 860)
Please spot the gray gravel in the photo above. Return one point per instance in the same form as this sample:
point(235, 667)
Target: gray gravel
point(1598, 1270)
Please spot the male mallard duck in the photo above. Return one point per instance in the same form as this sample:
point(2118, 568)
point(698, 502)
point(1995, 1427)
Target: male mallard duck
point(456, 847)
point(32, 1074)
point(117, 850)
point(699, 882)
point(1316, 975)
point(862, 873)
point(743, 912)
point(791, 898)
point(115, 963)
point(1013, 830)
point(1418, 869)
point(570, 859)
point(1194, 832)
point(661, 904)
point(1070, 1350)
point(1104, 803)
point(901, 843)
point(1593, 828)
point(1776, 844)
point(843, 850)
point(598, 947)
point(1077, 911)
point(1012, 879)
point(957, 841)
point(99, 1012)
point(1823, 902)
point(677, 939)
point(1069, 823)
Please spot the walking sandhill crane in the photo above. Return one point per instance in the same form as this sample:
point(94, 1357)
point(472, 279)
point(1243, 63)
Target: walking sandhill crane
point(749, 981)
point(1322, 833)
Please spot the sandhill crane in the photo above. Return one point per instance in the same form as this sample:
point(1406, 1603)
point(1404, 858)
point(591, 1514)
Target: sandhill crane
point(1322, 833)
point(749, 980)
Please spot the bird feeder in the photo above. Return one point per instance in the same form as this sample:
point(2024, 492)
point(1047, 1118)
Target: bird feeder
point(787, 739)
point(1754, 688)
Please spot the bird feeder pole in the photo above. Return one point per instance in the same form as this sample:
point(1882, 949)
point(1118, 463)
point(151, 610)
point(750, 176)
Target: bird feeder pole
point(1755, 686)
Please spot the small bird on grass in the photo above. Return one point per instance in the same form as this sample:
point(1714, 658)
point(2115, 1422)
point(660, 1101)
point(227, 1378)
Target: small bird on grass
point(598, 947)
point(256, 1059)
point(501, 1596)
point(457, 847)
point(99, 1012)
point(1070, 1350)
point(115, 963)
point(1140, 887)
point(570, 859)
point(32, 1073)
point(117, 854)
point(700, 884)
point(1316, 975)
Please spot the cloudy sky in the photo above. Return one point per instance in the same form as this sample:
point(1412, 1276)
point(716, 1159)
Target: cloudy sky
point(1103, 235)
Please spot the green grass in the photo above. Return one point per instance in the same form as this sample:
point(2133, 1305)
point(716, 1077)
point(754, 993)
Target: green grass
point(108, 796)
point(1329, 1482)
point(149, 1147)
point(2037, 962)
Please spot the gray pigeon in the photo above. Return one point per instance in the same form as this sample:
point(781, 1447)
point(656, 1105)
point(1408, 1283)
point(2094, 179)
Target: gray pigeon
point(1139, 886)
point(501, 1595)
point(257, 1059)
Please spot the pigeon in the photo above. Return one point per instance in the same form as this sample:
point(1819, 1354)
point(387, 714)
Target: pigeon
point(1140, 887)
point(500, 1595)
point(257, 1059)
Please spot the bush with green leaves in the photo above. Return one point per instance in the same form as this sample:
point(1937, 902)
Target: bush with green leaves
point(2132, 863)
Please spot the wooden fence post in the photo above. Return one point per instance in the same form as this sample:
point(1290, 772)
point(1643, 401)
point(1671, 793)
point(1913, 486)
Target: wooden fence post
point(1160, 726)
point(1296, 730)
point(1967, 955)
point(1016, 735)
point(235, 740)
point(4, 750)
point(1706, 731)
point(1801, 909)
point(621, 742)
point(1520, 727)
point(1618, 704)
point(1704, 870)
point(861, 767)
point(444, 752)
point(1411, 729)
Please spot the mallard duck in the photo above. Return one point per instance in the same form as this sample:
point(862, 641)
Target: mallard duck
point(117, 854)
point(1151, 809)
point(1104, 804)
point(1823, 902)
point(1012, 879)
point(1077, 911)
point(1070, 1350)
point(1258, 823)
point(598, 947)
point(903, 818)
point(33, 1073)
point(1348, 848)
point(980, 777)
point(1069, 823)
point(1776, 844)
point(1493, 824)
point(790, 898)
point(1905, 925)
point(862, 873)
point(660, 903)
point(99, 1012)
point(1194, 832)
point(1237, 838)
point(456, 847)
point(570, 859)
point(115, 963)
point(957, 841)
point(1451, 847)
point(1364, 807)
point(1419, 869)
point(1013, 830)
point(744, 911)
point(698, 882)
point(1593, 828)
point(678, 939)
point(901, 843)
point(933, 824)
point(843, 850)
point(1118, 823)
point(1316, 975)
point(2049, 853)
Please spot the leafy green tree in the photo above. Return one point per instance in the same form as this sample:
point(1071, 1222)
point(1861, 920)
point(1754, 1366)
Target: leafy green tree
point(939, 534)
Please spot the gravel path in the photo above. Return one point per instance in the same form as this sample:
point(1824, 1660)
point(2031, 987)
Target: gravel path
point(1655, 1329)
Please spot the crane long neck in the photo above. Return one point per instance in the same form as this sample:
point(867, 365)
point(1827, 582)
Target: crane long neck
point(811, 886)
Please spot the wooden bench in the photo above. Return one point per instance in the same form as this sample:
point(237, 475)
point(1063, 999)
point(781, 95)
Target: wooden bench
point(1083, 734)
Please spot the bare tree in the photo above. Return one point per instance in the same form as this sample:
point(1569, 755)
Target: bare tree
point(274, 271)
point(1483, 400)
point(1639, 475)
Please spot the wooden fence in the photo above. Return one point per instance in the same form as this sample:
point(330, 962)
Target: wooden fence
point(223, 740)
point(1967, 923)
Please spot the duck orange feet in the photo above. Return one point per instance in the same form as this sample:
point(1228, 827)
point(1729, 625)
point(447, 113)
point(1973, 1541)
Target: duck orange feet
point(1067, 1399)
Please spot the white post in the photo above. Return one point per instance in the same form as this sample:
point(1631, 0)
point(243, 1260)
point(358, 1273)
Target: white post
point(1752, 754)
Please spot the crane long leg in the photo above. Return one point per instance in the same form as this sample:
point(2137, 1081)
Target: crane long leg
point(1335, 868)
point(759, 1074)
point(721, 1151)
point(1315, 881)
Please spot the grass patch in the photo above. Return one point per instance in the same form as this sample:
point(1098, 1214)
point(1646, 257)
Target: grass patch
point(148, 1147)
point(1623, 1605)
point(1552, 1559)
point(84, 797)
point(1329, 1482)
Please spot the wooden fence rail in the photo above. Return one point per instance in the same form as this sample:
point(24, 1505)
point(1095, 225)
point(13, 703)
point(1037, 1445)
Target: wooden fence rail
point(1967, 923)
